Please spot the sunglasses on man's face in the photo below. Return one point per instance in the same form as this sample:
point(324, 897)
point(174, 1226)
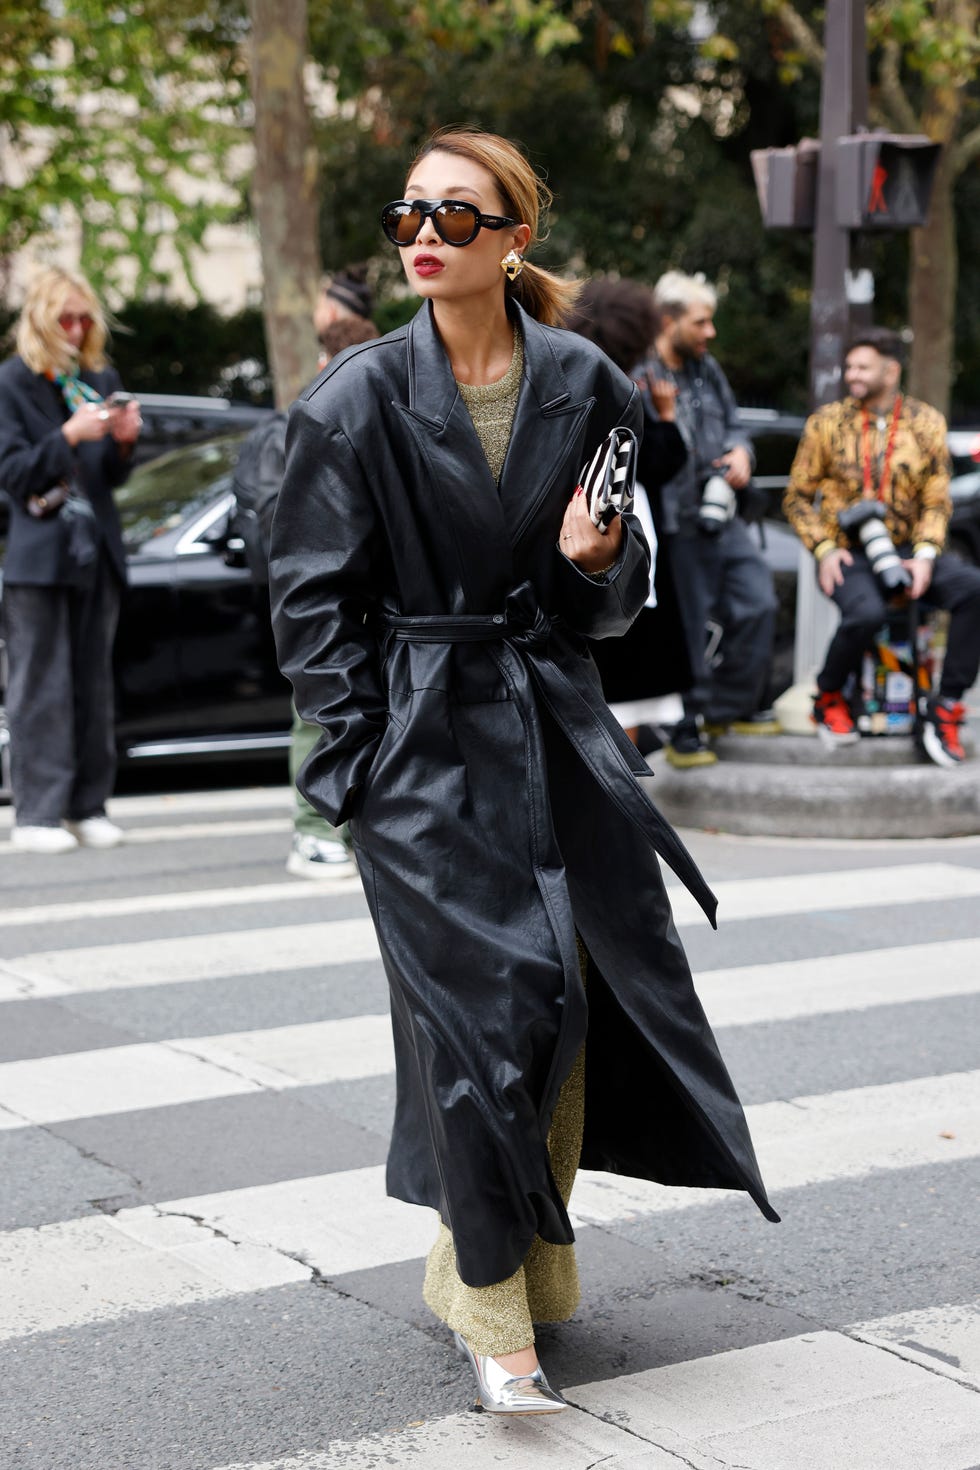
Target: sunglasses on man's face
point(69, 319)
point(454, 221)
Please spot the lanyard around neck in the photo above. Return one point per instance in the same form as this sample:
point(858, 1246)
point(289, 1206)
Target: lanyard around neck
point(886, 468)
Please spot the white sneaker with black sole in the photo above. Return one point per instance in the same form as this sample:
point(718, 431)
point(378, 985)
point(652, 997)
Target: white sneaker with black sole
point(320, 857)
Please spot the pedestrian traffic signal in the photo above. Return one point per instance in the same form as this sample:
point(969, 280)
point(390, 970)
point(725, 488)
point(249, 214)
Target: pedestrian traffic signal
point(786, 183)
point(884, 180)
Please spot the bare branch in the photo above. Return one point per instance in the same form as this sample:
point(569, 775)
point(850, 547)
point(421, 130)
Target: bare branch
point(966, 150)
point(804, 38)
point(897, 107)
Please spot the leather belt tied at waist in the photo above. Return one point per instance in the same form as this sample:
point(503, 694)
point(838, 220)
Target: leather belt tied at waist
point(522, 623)
point(592, 729)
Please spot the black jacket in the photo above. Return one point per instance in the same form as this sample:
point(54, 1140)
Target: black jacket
point(431, 626)
point(708, 419)
point(34, 456)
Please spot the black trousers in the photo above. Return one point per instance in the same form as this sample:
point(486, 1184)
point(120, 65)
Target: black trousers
point(60, 698)
point(955, 587)
point(728, 607)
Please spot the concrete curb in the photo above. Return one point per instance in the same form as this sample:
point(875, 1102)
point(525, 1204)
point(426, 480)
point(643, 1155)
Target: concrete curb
point(789, 787)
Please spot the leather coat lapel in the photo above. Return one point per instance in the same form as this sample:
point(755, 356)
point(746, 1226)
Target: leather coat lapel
point(458, 476)
point(546, 428)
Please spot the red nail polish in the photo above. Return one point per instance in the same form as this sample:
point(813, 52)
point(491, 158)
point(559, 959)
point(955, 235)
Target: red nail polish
point(578, 490)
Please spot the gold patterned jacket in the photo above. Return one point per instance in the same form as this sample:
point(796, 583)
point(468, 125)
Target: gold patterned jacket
point(828, 475)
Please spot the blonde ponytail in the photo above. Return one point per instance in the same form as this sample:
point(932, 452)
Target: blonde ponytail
point(543, 295)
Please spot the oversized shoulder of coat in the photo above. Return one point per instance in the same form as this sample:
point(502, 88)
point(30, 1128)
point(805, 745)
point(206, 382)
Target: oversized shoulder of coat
point(409, 366)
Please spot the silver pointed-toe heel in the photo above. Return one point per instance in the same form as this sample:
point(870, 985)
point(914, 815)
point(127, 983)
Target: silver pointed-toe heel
point(499, 1393)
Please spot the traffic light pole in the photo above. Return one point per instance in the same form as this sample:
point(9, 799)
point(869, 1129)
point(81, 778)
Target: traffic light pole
point(835, 311)
point(843, 111)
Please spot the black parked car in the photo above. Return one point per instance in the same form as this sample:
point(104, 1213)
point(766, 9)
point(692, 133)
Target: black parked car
point(172, 421)
point(196, 673)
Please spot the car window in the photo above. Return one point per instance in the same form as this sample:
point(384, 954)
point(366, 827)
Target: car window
point(159, 496)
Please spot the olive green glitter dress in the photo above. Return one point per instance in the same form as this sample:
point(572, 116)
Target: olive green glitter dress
point(498, 1319)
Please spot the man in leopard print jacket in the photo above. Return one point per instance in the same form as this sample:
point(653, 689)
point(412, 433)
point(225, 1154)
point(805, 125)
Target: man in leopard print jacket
point(880, 445)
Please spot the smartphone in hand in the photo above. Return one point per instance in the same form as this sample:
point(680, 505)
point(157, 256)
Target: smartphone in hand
point(120, 399)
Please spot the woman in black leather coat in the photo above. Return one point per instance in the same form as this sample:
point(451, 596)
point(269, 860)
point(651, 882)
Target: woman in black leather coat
point(65, 567)
point(435, 576)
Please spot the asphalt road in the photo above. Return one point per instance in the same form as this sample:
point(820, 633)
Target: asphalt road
point(198, 1266)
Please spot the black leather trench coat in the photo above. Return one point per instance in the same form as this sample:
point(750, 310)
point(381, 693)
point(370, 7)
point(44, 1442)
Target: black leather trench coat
point(430, 625)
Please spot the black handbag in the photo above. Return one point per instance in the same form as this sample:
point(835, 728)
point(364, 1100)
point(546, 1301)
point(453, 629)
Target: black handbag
point(78, 531)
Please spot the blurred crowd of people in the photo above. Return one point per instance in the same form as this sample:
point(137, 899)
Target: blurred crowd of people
point(695, 664)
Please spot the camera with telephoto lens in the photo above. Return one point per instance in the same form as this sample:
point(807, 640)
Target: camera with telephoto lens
point(864, 523)
point(717, 504)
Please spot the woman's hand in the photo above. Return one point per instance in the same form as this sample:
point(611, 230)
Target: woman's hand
point(87, 424)
point(583, 543)
point(125, 423)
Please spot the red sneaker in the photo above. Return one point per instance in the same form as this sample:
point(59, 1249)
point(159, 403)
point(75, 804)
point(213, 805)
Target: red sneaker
point(834, 721)
point(941, 731)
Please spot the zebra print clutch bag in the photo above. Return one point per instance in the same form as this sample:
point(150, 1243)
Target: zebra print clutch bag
point(609, 477)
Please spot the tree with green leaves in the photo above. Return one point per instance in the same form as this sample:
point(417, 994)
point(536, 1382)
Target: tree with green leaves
point(122, 121)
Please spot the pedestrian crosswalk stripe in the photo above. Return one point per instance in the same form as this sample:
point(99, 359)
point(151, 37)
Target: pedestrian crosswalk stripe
point(308, 946)
point(195, 957)
point(188, 1069)
point(804, 893)
point(124, 1079)
point(748, 995)
point(178, 902)
point(146, 836)
point(342, 1222)
point(849, 1404)
point(103, 1267)
point(799, 1401)
point(821, 1138)
point(945, 1339)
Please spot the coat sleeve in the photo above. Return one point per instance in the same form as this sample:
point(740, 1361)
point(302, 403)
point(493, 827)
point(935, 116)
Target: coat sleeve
point(29, 466)
point(604, 607)
point(809, 480)
point(325, 549)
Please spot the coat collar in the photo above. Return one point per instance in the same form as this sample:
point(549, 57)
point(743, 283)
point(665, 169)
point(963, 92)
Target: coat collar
point(46, 395)
point(546, 420)
point(432, 390)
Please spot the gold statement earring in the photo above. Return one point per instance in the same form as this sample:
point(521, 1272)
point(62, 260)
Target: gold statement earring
point(512, 265)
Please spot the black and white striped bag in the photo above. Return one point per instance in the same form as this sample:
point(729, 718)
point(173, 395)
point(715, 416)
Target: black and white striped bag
point(610, 475)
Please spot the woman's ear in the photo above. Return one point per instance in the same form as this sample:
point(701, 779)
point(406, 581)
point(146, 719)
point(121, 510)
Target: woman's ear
point(521, 238)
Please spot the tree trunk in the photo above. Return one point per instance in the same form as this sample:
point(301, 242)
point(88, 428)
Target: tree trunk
point(932, 294)
point(284, 194)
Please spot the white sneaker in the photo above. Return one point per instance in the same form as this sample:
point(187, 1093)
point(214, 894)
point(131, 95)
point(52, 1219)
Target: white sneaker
point(42, 839)
point(320, 857)
point(96, 832)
